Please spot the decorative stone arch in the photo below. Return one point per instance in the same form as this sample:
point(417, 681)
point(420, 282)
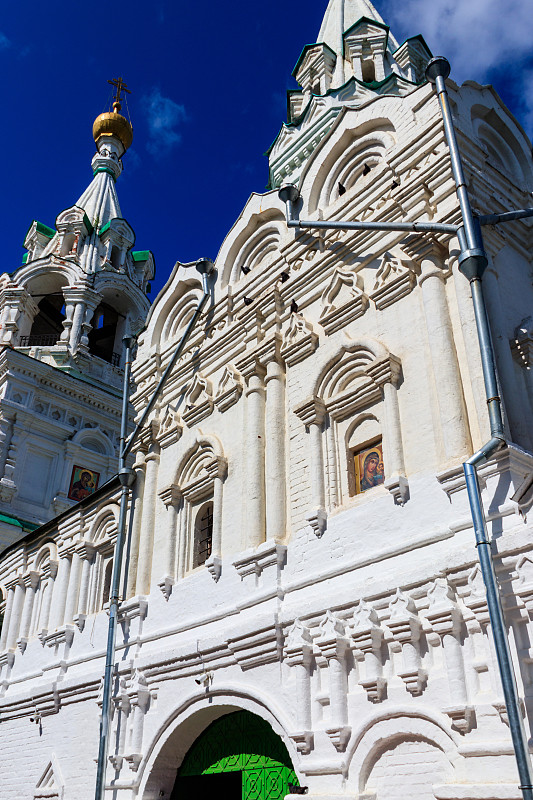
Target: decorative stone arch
point(102, 536)
point(106, 517)
point(198, 480)
point(351, 152)
point(504, 149)
point(360, 377)
point(182, 727)
point(388, 729)
point(257, 247)
point(254, 237)
point(178, 311)
point(47, 551)
point(95, 440)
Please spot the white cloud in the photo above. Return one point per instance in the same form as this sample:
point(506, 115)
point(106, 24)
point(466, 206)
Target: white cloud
point(4, 42)
point(479, 37)
point(164, 117)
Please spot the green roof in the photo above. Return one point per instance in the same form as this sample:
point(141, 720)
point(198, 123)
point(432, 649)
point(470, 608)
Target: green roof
point(44, 229)
point(141, 255)
point(25, 258)
point(18, 523)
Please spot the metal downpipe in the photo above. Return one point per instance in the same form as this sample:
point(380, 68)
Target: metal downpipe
point(177, 353)
point(472, 262)
point(127, 478)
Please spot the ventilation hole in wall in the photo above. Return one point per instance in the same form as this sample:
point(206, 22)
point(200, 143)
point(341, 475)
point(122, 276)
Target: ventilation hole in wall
point(366, 169)
point(342, 189)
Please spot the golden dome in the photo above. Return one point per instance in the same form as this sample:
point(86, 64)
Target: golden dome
point(113, 124)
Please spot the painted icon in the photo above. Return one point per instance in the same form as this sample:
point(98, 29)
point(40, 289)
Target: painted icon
point(369, 468)
point(82, 483)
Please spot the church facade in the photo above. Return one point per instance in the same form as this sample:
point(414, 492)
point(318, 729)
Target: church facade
point(303, 610)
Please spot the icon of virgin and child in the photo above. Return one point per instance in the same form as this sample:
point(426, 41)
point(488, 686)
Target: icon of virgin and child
point(369, 468)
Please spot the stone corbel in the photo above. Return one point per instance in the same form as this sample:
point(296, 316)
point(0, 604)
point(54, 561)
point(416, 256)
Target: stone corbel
point(253, 562)
point(318, 521)
point(214, 567)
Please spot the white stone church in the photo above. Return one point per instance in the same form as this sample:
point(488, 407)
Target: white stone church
point(302, 608)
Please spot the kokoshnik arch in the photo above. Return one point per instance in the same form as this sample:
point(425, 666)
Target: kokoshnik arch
point(285, 625)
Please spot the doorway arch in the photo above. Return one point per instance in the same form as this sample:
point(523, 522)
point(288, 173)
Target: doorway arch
point(239, 755)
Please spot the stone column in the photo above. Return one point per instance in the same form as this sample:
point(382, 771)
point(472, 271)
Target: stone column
point(298, 655)
point(450, 400)
point(445, 619)
point(57, 612)
point(171, 497)
point(254, 489)
point(312, 412)
point(31, 582)
point(146, 544)
point(139, 699)
point(136, 511)
point(333, 646)
point(86, 554)
point(84, 301)
point(17, 314)
point(182, 538)
point(367, 637)
point(276, 485)
point(405, 627)
point(16, 614)
point(71, 605)
point(217, 469)
point(47, 599)
point(7, 617)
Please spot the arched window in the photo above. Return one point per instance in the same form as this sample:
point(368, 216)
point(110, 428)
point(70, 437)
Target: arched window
point(369, 70)
point(108, 576)
point(203, 534)
point(103, 332)
point(48, 323)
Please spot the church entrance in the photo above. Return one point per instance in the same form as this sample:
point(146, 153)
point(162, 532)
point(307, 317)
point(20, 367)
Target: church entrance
point(240, 756)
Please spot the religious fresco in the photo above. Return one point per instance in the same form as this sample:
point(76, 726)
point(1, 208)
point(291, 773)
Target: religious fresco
point(369, 468)
point(83, 482)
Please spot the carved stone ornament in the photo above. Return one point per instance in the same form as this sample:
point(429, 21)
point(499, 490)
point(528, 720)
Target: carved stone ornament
point(198, 401)
point(299, 340)
point(394, 279)
point(170, 428)
point(343, 301)
point(229, 389)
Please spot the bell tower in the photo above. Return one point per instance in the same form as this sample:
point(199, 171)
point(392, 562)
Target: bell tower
point(63, 314)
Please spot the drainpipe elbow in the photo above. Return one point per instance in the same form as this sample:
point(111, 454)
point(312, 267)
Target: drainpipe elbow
point(485, 452)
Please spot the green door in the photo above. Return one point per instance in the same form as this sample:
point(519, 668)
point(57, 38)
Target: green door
point(239, 755)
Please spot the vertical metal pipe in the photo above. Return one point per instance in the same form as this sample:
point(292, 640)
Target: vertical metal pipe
point(472, 262)
point(126, 477)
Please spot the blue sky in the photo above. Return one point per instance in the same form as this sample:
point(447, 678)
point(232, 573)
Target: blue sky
point(208, 82)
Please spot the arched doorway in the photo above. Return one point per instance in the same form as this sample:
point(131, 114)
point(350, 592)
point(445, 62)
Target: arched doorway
point(240, 755)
